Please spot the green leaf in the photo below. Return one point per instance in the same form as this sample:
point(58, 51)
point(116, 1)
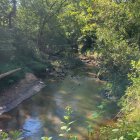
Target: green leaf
point(62, 122)
point(66, 117)
point(63, 127)
point(121, 138)
point(95, 115)
point(115, 130)
point(100, 107)
point(61, 135)
point(46, 138)
point(68, 129)
point(71, 122)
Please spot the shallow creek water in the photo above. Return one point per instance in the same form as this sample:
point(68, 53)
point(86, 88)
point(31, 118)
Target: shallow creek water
point(45, 111)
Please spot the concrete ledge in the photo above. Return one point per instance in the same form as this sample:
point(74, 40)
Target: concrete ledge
point(14, 96)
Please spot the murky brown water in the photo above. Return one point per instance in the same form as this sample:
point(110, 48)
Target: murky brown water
point(47, 108)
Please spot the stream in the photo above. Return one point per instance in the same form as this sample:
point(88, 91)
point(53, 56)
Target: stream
point(43, 113)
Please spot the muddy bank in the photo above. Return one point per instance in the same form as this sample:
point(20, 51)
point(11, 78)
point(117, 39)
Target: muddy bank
point(21, 91)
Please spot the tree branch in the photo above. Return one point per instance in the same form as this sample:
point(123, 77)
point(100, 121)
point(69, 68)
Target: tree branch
point(9, 73)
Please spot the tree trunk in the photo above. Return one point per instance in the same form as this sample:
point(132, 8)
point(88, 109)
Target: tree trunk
point(9, 73)
point(12, 13)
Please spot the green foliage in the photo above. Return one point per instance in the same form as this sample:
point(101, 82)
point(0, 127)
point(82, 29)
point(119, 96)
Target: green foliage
point(130, 101)
point(5, 8)
point(15, 135)
point(40, 24)
point(46, 138)
point(3, 135)
point(76, 21)
point(6, 48)
point(12, 135)
point(38, 68)
point(123, 130)
point(117, 49)
point(110, 27)
point(128, 127)
point(66, 125)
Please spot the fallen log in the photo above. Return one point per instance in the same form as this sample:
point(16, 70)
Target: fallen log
point(9, 73)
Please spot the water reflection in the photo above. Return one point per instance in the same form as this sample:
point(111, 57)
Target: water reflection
point(32, 128)
point(44, 112)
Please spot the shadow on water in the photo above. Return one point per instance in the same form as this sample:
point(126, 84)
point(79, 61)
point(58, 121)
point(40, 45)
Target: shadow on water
point(43, 113)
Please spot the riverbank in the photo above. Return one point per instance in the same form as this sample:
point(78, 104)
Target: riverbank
point(78, 87)
point(30, 85)
point(19, 92)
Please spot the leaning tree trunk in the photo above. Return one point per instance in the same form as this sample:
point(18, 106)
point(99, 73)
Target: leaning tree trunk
point(9, 73)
